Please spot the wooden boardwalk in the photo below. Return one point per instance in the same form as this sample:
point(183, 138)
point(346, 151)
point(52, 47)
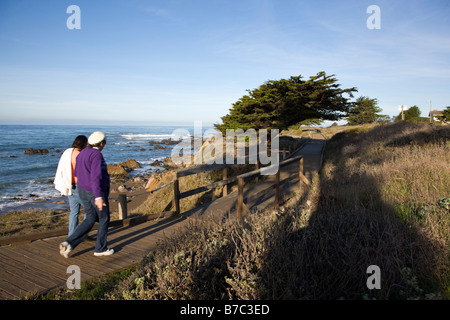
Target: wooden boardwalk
point(37, 267)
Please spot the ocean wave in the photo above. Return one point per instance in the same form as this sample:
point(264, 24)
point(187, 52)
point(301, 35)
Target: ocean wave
point(28, 194)
point(39, 187)
point(151, 160)
point(143, 136)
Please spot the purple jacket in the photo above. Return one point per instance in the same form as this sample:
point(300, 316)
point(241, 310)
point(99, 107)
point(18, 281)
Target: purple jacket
point(92, 173)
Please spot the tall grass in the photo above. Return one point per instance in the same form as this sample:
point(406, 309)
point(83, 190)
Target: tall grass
point(380, 199)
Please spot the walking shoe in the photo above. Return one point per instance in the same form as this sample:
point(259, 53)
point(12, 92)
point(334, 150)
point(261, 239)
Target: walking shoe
point(64, 249)
point(107, 252)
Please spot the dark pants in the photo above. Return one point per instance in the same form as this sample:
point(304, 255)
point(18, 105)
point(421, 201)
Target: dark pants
point(92, 215)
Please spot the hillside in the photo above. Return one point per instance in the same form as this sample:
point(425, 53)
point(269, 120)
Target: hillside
point(382, 198)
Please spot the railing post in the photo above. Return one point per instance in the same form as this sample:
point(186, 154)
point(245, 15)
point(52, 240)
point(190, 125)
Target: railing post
point(176, 192)
point(123, 211)
point(300, 176)
point(225, 177)
point(277, 189)
point(240, 199)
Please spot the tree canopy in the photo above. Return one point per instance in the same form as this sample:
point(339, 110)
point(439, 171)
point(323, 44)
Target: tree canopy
point(445, 115)
point(364, 110)
point(278, 104)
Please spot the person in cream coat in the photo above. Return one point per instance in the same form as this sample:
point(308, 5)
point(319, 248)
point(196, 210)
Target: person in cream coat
point(65, 180)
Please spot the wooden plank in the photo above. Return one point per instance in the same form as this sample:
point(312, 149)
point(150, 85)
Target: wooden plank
point(8, 289)
point(38, 262)
point(123, 211)
point(34, 269)
point(5, 294)
point(78, 256)
point(176, 196)
point(83, 255)
point(32, 256)
point(151, 228)
point(30, 261)
point(225, 177)
point(63, 263)
point(240, 199)
point(131, 241)
point(14, 273)
point(290, 160)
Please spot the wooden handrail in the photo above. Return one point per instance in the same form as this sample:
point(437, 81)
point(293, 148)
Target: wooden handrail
point(241, 207)
point(177, 196)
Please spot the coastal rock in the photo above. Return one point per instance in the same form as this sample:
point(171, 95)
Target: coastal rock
point(123, 188)
point(157, 163)
point(159, 179)
point(167, 142)
point(121, 171)
point(167, 163)
point(117, 171)
point(159, 147)
point(36, 151)
point(152, 183)
point(170, 142)
point(130, 164)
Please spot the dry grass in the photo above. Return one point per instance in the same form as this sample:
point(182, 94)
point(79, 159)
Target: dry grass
point(25, 222)
point(375, 203)
point(159, 200)
point(30, 221)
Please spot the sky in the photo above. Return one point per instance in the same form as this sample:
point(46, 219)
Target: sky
point(172, 61)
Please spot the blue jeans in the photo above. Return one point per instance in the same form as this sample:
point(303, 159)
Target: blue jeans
point(74, 203)
point(92, 215)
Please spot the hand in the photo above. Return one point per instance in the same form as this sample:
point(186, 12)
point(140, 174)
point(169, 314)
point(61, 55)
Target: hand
point(100, 204)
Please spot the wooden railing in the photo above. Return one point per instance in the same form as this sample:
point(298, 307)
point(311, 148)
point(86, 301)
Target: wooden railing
point(242, 208)
point(240, 179)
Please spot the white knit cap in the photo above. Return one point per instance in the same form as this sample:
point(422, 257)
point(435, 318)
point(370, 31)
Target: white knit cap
point(96, 137)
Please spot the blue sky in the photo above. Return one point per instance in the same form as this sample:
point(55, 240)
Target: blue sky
point(148, 62)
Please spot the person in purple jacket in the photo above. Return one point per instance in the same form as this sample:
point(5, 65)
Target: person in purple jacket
point(93, 184)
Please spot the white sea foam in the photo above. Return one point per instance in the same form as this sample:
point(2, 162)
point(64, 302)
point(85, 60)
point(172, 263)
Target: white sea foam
point(145, 136)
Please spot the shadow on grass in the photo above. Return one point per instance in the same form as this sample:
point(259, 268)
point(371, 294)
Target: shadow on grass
point(350, 229)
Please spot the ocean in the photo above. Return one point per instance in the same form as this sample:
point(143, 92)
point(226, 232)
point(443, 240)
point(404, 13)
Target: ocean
point(25, 178)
